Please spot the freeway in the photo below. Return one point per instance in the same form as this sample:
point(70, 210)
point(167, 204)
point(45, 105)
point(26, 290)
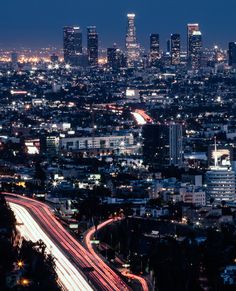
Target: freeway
point(97, 272)
point(69, 277)
point(141, 117)
point(90, 235)
point(141, 280)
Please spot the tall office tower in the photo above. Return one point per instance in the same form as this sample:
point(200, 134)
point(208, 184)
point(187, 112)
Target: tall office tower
point(72, 43)
point(154, 49)
point(155, 145)
point(190, 29)
point(168, 45)
point(194, 46)
point(112, 57)
point(132, 47)
point(92, 45)
point(115, 58)
point(232, 54)
point(196, 50)
point(162, 145)
point(220, 182)
point(175, 144)
point(175, 49)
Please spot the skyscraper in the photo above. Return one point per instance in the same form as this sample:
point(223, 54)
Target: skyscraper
point(115, 58)
point(92, 45)
point(175, 49)
point(72, 44)
point(154, 49)
point(232, 54)
point(168, 46)
point(175, 143)
point(132, 47)
point(194, 46)
point(155, 145)
point(190, 29)
point(196, 50)
point(162, 144)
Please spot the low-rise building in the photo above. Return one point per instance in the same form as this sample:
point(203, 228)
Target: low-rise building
point(97, 142)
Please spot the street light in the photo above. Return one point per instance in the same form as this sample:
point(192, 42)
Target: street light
point(25, 282)
point(20, 264)
point(141, 257)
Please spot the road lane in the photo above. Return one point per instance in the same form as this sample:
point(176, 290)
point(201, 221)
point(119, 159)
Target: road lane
point(103, 277)
point(89, 236)
point(68, 275)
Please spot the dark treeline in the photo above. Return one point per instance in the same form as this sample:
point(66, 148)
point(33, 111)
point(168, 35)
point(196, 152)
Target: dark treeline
point(178, 260)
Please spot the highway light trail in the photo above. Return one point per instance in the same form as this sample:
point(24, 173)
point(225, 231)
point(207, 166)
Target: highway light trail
point(139, 119)
point(90, 235)
point(68, 275)
point(140, 279)
point(101, 276)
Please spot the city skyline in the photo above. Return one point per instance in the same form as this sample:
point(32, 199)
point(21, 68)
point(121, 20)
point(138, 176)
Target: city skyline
point(118, 145)
point(151, 17)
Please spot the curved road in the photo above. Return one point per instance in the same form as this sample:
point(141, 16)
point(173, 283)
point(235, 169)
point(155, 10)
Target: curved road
point(89, 236)
point(97, 272)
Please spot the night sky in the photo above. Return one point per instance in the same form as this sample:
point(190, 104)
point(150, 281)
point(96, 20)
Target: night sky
point(36, 23)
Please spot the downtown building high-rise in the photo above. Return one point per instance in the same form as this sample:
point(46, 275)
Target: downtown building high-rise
point(132, 47)
point(154, 49)
point(232, 54)
point(92, 45)
point(176, 144)
point(194, 46)
point(175, 49)
point(72, 44)
point(163, 145)
point(115, 58)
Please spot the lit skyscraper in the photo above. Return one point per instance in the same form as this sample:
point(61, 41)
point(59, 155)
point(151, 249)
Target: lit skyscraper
point(92, 45)
point(190, 29)
point(154, 49)
point(132, 47)
point(72, 44)
point(196, 50)
point(232, 54)
point(175, 49)
point(194, 46)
